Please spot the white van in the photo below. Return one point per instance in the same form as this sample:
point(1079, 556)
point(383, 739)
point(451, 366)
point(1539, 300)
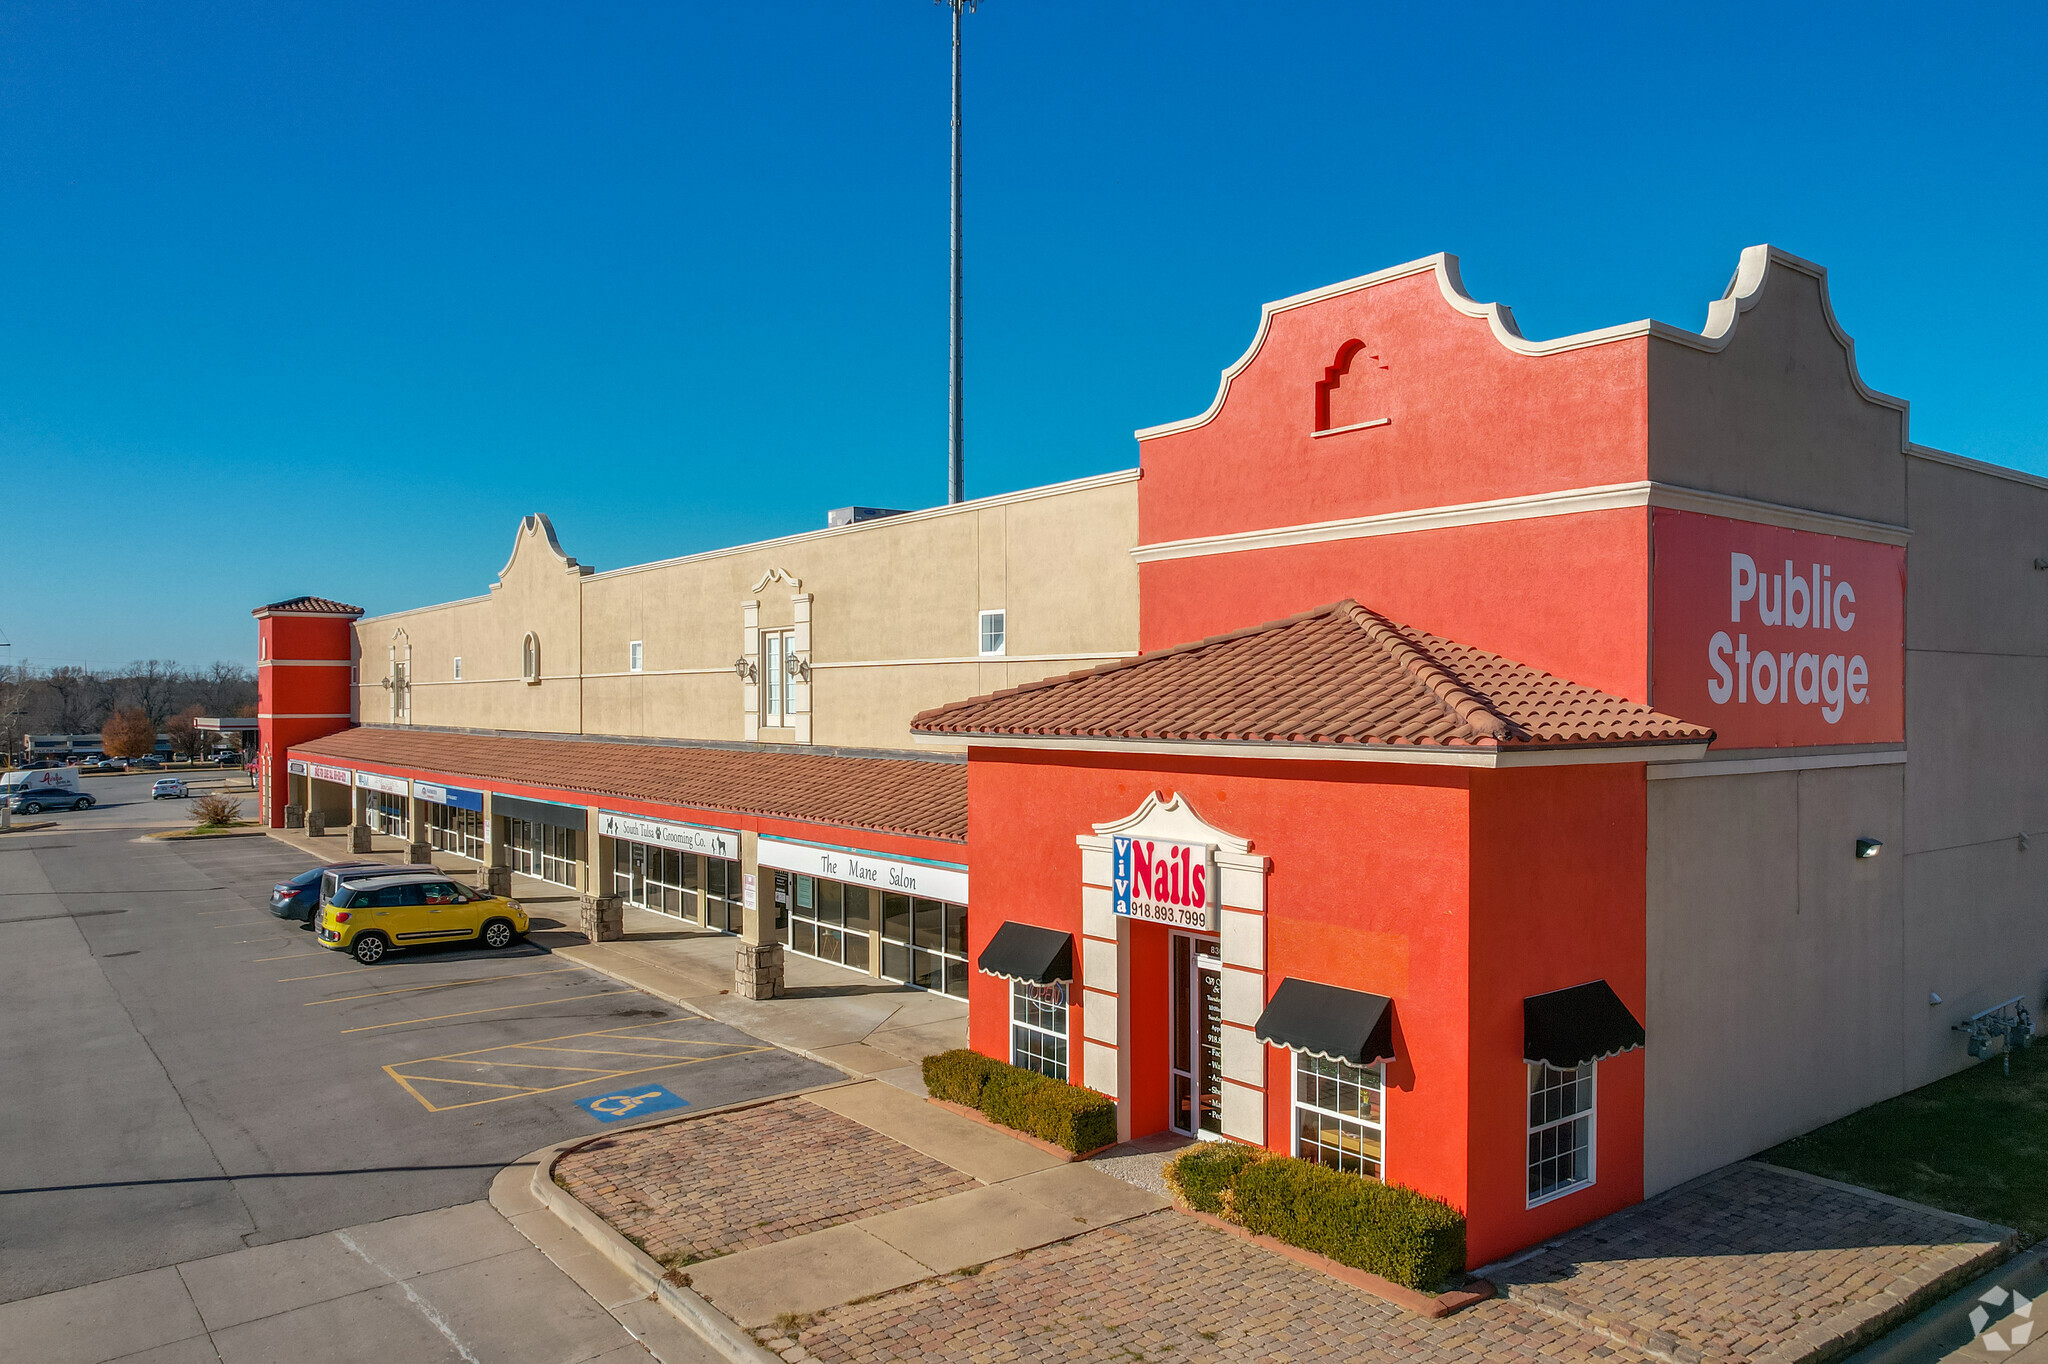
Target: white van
point(41, 779)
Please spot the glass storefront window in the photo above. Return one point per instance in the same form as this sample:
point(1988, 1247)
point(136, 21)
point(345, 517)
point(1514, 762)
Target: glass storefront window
point(725, 896)
point(542, 851)
point(456, 831)
point(386, 813)
point(836, 921)
point(661, 879)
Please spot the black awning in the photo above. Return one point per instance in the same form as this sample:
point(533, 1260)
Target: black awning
point(1567, 1028)
point(1026, 952)
point(1328, 1021)
point(542, 812)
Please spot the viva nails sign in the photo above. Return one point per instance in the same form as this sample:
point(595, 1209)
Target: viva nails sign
point(1164, 883)
point(1778, 637)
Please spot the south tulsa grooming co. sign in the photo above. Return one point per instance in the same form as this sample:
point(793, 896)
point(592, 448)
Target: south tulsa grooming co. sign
point(1778, 637)
point(1164, 883)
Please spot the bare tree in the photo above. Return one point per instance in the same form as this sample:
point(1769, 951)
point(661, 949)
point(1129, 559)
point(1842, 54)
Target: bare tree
point(151, 686)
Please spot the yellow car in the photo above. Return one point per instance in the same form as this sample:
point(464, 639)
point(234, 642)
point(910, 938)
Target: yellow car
point(369, 917)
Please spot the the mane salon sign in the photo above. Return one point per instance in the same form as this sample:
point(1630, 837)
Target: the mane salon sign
point(1164, 883)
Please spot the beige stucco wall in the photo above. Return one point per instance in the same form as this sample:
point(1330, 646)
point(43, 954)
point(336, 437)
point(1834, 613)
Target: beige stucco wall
point(1790, 984)
point(894, 607)
point(1774, 957)
point(1977, 729)
point(1776, 415)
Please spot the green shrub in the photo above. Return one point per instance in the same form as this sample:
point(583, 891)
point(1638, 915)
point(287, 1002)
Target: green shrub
point(1384, 1229)
point(1005, 1098)
point(1202, 1172)
point(958, 1076)
point(1070, 1117)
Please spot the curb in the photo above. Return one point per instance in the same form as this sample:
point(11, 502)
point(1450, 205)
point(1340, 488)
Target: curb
point(1435, 1306)
point(716, 1329)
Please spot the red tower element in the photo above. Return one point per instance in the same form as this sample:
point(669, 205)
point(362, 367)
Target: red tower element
point(305, 673)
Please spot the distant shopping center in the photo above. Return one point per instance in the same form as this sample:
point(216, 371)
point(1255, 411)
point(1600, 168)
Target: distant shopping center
point(1534, 771)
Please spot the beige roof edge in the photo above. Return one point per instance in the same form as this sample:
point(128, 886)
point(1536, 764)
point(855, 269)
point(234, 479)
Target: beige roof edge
point(922, 514)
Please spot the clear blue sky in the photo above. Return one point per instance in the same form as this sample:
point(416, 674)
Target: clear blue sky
point(323, 298)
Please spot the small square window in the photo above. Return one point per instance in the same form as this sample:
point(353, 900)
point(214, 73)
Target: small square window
point(994, 633)
point(633, 656)
point(458, 667)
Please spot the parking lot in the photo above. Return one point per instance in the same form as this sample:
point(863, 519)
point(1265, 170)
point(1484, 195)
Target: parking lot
point(121, 800)
point(190, 1075)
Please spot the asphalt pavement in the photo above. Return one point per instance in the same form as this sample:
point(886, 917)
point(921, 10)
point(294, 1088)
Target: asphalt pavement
point(189, 1076)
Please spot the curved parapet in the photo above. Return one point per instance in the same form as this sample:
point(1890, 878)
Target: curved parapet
point(537, 528)
point(1744, 290)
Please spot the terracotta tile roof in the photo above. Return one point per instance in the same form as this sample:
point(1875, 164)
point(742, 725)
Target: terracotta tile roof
point(1341, 675)
point(893, 795)
point(308, 606)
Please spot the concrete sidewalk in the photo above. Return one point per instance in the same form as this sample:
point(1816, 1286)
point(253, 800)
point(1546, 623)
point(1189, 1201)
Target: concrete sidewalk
point(785, 1208)
point(454, 1285)
point(845, 1018)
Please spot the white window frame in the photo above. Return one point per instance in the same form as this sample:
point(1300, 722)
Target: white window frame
point(1066, 1037)
point(1590, 1114)
point(458, 667)
point(777, 647)
point(981, 633)
point(529, 659)
point(633, 656)
point(1294, 1105)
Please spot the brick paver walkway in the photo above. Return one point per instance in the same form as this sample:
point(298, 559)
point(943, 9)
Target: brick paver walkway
point(693, 1190)
point(1165, 1287)
point(1751, 1262)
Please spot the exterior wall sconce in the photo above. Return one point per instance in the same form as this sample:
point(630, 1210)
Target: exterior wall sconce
point(2041, 563)
point(747, 672)
point(385, 684)
point(1868, 847)
point(798, 669)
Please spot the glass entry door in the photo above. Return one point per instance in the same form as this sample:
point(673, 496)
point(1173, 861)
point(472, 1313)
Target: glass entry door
point(1197, 1056)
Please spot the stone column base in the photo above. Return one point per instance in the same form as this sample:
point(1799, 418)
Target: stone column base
point(604, 918)
point(316, 823)
point(419, 854)
point(294, 816)
point(757, 972)
point(359, 838)
point(497, 880)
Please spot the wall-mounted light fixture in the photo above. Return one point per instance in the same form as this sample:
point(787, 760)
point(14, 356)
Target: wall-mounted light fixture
point(1868, 847)
point(2041, 563)
point(798, 669)
point(744, 669)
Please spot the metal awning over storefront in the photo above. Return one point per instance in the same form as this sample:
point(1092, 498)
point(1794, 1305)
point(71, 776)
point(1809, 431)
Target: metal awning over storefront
point(1329, 1021)
point(1568, 1028)
point(1026, 952)
point(542, 812)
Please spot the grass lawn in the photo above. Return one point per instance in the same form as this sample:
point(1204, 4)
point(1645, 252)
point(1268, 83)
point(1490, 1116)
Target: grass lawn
point(1975, 1143)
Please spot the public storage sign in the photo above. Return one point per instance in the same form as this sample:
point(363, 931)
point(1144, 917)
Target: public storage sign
point(1778, 637)
point(1164, 883)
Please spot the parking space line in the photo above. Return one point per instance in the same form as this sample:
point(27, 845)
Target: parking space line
point(353, 971)
point(404, 1022)
point(292, 956)
point(442, 985)
point(411, 1074)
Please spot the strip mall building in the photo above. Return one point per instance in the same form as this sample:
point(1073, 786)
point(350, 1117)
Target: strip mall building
point(1536, 772)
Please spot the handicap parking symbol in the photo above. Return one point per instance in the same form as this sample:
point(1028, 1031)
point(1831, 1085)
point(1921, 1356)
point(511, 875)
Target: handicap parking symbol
point(631, 1103)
